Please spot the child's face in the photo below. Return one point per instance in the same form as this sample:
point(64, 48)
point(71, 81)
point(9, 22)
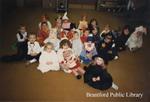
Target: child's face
point(108, 39)
point(126, 31)
point(22, 29)
point(49, 48)
point(99, 61)
point(86, 33)
point(65, 46)
point(93, 23)
point(32, 38)
point(44, 26)
point(107, 28)
point(76, 35)
point(94, 31)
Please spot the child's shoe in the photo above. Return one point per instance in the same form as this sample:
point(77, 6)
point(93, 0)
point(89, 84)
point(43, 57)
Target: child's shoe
point(78, 76)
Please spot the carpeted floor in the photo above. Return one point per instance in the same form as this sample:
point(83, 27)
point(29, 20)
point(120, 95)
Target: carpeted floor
point(19, 83)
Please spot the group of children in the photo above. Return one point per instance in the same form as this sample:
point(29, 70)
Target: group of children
point(69, 47)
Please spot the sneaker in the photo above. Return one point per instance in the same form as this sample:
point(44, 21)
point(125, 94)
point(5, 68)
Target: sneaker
point(114, 86)
point(78, 76)
point(116, 57)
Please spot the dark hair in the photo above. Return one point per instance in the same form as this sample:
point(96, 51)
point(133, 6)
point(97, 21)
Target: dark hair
point(93, 20)
point(44, 23)
point(64, 42)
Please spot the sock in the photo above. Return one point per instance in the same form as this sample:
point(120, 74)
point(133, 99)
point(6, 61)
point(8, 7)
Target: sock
point(33, 60)
point(114, 86)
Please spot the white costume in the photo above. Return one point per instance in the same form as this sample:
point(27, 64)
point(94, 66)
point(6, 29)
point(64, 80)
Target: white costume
point(135, 41)
point(77, 46)
point(48, 57)
point(53, 39)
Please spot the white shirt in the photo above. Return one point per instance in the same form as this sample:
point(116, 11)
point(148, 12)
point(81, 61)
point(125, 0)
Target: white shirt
point(21, 39)
point(34, 48)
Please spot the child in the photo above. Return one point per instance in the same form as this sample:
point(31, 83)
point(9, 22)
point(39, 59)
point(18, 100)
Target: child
point(122, 39)
point(53, 39)
point(34, 50)
point(43, 33)
point(107, 30)
point(71, 64)
point(22, 41)
point(21, 46)
point(96, 36)
point(66, 25)
point(106, 49)
point(64, 45)
point(76, 43)
point(96, 75)
point(84, 36)
point(48, 59)
point(93, 25)
point(83, 24)
point(44, 19)
point(88, 51)
point(135, 41)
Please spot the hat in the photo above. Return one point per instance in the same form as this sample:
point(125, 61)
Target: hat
point(65, 16)
point(90, 38)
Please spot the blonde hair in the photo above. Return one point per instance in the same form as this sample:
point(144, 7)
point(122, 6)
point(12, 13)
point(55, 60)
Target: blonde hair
point(48, 44)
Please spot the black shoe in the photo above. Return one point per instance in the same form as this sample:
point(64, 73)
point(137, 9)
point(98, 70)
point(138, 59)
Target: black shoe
point(78, 76)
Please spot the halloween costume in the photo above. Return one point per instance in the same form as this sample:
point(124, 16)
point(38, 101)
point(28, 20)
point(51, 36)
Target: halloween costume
point(135, 41)
point(88, 51)
point(46, 57)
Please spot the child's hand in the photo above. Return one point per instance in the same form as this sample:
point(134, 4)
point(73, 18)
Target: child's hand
point(94, 79)
point(48, 63)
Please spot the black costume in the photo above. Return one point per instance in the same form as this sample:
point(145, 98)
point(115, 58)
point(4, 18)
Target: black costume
point(107, 51)
point(105, 81)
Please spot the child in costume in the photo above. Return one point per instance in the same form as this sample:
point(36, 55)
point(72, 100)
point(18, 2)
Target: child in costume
point(34, 50)
point(44, 19)
point(43, 33)
point(96, 36)
point(48, 59)
point(135, 41)
point(64, 45)
point(96, 75)
point(122, 39)
point(107, 30)
point(83, 24)
point(66, 24)
point(106, 49)
point(77, 45)
point(84, 36)
point(71, 64)
point(88, 50)
point(93, 25)
point(53, 39)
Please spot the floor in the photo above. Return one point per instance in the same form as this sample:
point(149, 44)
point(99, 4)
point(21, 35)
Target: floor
point(19, 83)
